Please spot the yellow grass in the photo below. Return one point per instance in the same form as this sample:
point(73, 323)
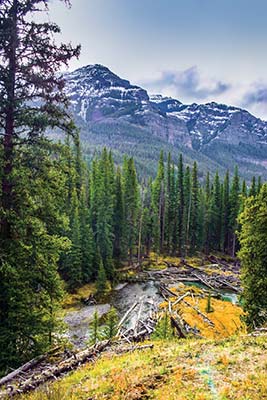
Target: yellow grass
point(229, 369)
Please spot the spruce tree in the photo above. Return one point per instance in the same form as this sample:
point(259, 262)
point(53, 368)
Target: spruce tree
point(215, 214)
point(225, 238)
point(101, 282)
point(234, 200)
point(259, 184)
point(104, 212)
point(147, 226)
point(253, 188)
point(111, 325)
point(179, 210)
point(118, 218)
point(87, 242)
point(131, 203)
point(186, 211)
point(158, 199)
point(193, 213)
point(31, 101)
point(207, 215)
point(253, 256)
point(73, 266)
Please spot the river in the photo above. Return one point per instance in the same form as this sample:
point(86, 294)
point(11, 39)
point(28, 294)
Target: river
point(122, 298)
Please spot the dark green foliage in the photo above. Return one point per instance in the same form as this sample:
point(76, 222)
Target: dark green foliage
point(94, 329)
point(101, 282)
point(32, 181)
point(111, 324)
point(193, 214)
point(215, 214)
point(253, 188)
point(119, 219)
point(178, 239)
point(131, 202)
point(158, 202)
point(234, 200)
point(164, 329)
point(253, 255)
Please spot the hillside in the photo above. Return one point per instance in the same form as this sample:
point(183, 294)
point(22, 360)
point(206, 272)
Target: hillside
point(229, 369)
point(111, 111)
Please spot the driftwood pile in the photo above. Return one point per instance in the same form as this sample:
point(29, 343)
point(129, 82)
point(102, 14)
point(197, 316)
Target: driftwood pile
point(215, 280)
point(143, 327)
point(39, 371)
point(182, 327)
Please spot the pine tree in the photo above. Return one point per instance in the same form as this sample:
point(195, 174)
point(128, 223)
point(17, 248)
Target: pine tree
point(118, 218)
point(158, 200)
point(101, 282)
point(253, 188)
point(187, 210)
point(164, 329)
point(207, 215)
point(104, 198)
point(94, 331)
point(73, 266)
point(131, 202)
point(169, 206)
point(225, 238)
point(193, 213)
point(234, 200)
point(259, 185)
point(215, 217)
point(179, 211)
point(87, 242)
point(111, 326)
point(147, 226)
point(31, 101)
point(253, 256)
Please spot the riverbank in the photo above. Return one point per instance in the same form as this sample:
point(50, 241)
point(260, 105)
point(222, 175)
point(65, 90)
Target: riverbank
point(195, 279)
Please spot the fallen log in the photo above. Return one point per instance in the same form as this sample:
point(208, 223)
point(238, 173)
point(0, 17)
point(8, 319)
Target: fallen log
point(127, 314)
point(204, 316)
point(167, 291)
point(26, 367)
point(204, 281)
point(180, 298)
point(57, 370)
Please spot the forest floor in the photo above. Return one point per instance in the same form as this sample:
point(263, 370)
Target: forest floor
point(229, 369)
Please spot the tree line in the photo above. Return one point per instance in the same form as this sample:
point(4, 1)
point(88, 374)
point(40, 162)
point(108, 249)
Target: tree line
point(114, 217)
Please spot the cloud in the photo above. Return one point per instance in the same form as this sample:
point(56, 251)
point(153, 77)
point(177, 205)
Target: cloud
point(188, 84)
point(191, 85)
point(258, 95)
point(255, 99)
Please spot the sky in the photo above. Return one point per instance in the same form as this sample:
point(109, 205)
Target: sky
point(192, 50)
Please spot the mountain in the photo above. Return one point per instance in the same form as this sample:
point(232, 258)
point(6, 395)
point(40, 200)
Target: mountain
point(111, 111)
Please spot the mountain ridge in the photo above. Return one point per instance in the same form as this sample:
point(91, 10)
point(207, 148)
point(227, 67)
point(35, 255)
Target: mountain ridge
point(106, 105)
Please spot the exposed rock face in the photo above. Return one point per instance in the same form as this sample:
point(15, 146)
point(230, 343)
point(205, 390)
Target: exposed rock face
point(102, 99)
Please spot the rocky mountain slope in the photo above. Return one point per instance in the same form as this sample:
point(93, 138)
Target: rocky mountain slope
point(112, 112)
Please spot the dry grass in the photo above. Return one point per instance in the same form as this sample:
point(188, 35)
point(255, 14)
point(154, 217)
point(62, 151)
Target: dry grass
point(229, 369)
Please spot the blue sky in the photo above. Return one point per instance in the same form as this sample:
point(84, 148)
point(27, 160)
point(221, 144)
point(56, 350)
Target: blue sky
point(193, 50)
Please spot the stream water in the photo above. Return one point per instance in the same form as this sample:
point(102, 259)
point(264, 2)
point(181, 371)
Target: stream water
point(122, 298)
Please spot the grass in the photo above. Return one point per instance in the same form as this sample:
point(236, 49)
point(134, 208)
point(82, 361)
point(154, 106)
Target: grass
point(73, 300)
point(228, 369)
